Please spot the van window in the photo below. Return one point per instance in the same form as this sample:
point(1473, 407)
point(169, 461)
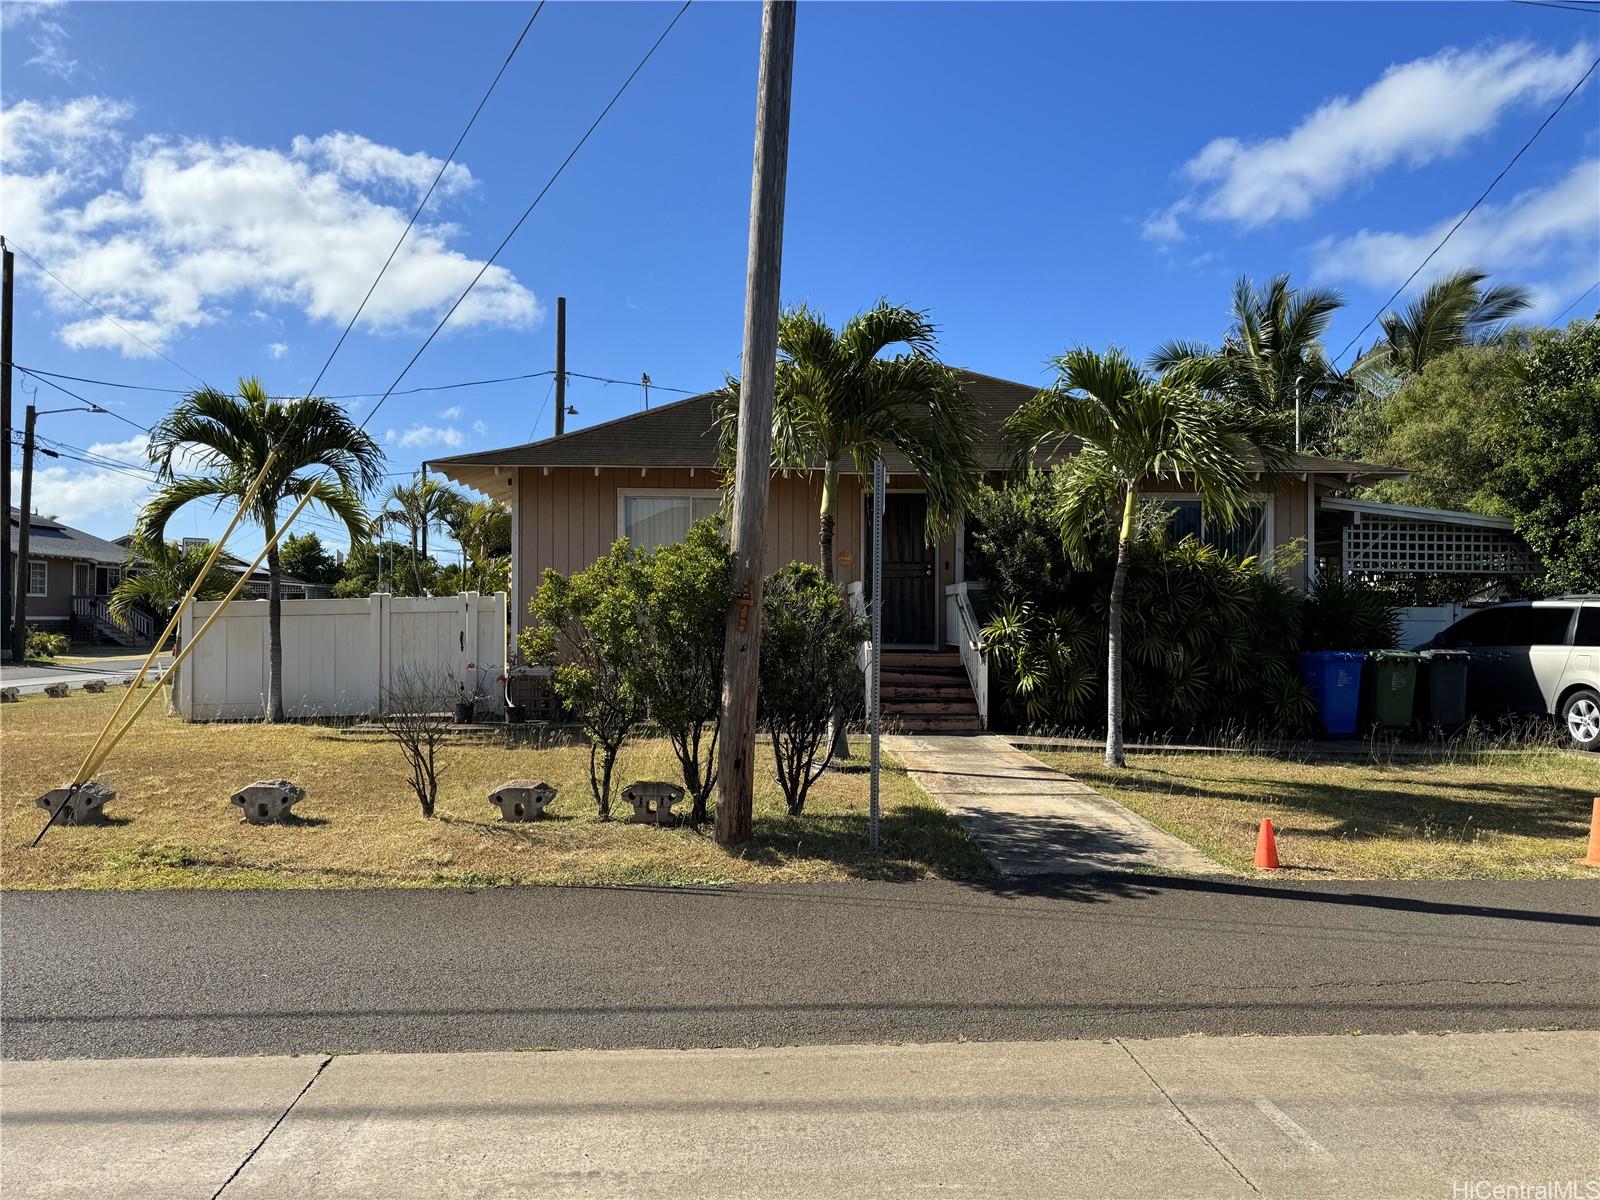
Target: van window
point(1539, 625)
point(1588, 627)
point(1486, 628)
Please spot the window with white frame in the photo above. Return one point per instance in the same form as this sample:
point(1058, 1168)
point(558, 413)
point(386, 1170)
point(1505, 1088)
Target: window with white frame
point(650, 518)
point(38, 577)
point(1251, 533)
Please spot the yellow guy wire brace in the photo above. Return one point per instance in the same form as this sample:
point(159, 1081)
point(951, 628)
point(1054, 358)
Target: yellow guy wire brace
point(92, 764)
point(177, 615)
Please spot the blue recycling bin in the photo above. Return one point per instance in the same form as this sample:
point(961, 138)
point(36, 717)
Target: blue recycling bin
point(1334, 677)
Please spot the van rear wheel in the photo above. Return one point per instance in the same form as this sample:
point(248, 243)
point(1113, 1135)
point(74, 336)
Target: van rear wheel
point(1580, 717)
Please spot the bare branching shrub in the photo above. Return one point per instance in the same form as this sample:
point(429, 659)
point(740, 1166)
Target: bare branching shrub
point(416, 711)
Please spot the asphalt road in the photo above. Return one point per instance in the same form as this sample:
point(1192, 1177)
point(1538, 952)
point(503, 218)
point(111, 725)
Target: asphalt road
point(198, 973)
point(112, 670)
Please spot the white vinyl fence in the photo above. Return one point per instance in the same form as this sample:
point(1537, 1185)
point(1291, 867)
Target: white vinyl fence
point(1420, 622)
point(340, 657)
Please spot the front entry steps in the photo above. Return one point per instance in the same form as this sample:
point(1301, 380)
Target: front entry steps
point(927, 691)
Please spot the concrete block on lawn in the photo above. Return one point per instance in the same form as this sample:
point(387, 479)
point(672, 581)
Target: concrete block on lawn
point(522, 799)
point(85, 806)
point(268, 801)
point(95, 686)
point(56, 691)
point(652, 801)
point(10, 695)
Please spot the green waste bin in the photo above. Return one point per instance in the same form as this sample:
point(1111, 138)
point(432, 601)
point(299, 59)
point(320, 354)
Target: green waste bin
point(1442, 689)
point(1393, 676)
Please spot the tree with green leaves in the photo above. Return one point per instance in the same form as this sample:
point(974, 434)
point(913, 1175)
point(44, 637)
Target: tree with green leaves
point(419, 508)
point(482, 528)
point(809, 673)
point(1271, 357)
point(229, 440)
point(382, 565)
point(1549, 477)
point(1456, 310)
point(686, 589)
point(587, 627)
point(303, 556)
point(1131, 430)
point(837, 399)
point(159, 574)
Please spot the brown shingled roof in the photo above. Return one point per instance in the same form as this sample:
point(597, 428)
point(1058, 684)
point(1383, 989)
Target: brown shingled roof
point(683, 434)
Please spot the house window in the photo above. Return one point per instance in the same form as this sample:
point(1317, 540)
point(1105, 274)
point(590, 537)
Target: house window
point(650, 519)
point(106, 580)
point(1251, 534)
point(38, 577)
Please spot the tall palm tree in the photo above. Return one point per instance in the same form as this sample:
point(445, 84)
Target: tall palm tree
point(482, 528)
point(1130, 429)
point(1272, 357)
point(228, 439)
point(420, 507)
point(837, 399)
point(1456, 310)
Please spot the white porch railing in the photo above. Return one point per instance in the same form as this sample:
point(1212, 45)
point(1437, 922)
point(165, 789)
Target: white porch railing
point(961, 623)
point(855, 595)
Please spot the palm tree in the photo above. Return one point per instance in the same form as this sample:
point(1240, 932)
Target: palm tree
point(482, 529)
point(159, 574)
point(229, 439)
point(1455, 311)
point(419, 507)
point(837, 399)
point(1272, 357)
point(1131, 429)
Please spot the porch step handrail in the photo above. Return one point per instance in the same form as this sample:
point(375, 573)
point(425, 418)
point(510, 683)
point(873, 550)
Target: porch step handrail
point(138, 623)
point(970, 643)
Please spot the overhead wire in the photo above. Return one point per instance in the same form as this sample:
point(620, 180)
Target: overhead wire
point(1543, 125)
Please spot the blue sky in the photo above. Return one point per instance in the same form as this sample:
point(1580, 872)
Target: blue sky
point(225, 179)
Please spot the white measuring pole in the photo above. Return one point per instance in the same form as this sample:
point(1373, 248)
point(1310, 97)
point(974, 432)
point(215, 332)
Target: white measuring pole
point(880, 484)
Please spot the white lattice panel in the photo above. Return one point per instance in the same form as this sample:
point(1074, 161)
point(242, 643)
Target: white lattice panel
point(1379, 546)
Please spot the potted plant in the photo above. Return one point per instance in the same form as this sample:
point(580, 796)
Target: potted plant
point(466, 707)
point(516, 713)
point(467, 702)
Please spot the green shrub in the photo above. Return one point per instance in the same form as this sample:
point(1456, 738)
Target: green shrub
point(44, 644)
point(587, 627)
point(809, 674)
point(1349, 615)
point(1211, 639)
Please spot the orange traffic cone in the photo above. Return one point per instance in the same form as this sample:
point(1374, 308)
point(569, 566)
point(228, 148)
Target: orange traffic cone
point(1593, 860)
point(1267, 846)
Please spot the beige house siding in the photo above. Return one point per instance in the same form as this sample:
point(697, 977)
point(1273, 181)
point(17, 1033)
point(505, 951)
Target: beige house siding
point(566, 517)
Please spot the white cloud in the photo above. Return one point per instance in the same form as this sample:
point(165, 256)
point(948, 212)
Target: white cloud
point(197, 226)
point(479, 428)
point(1417, 112)
point(277, 349)
point(421, 436)
point(1163, 224)
point(452, 413)
point(89, 496)
point(49, 36)
point(1552, 229)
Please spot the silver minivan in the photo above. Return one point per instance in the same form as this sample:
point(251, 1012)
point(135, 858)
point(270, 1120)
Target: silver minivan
point(1539, 657)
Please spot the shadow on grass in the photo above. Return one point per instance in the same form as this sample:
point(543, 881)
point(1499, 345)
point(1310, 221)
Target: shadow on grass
point(914, 843)
point(1528, 810)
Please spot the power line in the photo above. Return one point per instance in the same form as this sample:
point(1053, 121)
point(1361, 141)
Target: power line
point(1575, 303)
point(527, 212)
point(1567, 7)
point(533, 434)
point(421, 204)
point(106, 315)
point(81, 400)
point(1542, 126)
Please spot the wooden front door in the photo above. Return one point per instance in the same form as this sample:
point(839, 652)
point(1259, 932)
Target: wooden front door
point(909, 577)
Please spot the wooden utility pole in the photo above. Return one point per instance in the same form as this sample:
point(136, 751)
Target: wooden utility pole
point(19, 612)
point(753, 473)
point(561, 365)
point(8, 577)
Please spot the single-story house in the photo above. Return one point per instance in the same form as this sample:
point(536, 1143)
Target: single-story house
point(648, 475)
point(68, 577)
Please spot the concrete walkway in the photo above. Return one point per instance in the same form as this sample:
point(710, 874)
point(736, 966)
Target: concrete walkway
point(1409, 1115)
point(1031, 818)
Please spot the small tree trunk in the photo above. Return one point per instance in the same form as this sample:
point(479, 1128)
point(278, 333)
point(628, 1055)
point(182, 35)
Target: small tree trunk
point(1119, 582)
point(274, 626)
point(830, 486)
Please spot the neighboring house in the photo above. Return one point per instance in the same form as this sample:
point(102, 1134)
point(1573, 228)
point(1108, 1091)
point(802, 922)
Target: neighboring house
point(649, 475)
point(69, 575)
point(256, 588)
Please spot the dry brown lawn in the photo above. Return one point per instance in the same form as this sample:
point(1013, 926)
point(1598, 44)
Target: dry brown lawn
point(359, 826)
point(1487, 816)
